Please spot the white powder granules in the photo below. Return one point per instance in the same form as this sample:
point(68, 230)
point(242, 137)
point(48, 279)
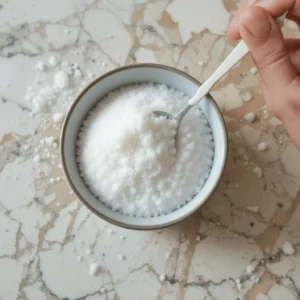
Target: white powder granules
point(57, 117)
point(247, 97)
point(61, 79)
point(250, 117)
point(253, 70)
point(53, 61)
point(288, 248)
point(37, 158)
point(128, 158)
point(253, 208)
point(257, 171)
point(40, 66)
point(45, 97)
point(94, 269)
point(262, 147)
point(162, 277)
point(250, 269)
point(48, 141)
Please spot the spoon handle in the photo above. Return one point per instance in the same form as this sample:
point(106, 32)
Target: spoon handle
point(234, 57)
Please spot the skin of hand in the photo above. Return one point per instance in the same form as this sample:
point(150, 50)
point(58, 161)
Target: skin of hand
point(277, 59)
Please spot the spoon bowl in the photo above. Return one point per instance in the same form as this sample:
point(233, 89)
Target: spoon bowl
point(159, 114)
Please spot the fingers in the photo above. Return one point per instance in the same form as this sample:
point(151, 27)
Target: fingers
point(234, 27)
point(275, 8)
point(278, 61)
point(265, 41)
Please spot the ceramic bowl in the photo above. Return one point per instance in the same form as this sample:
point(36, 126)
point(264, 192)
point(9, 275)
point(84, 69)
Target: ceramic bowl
point(88, 99)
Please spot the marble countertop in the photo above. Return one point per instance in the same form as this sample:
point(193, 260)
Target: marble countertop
point(48, 240)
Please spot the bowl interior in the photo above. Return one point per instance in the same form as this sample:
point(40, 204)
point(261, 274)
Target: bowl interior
point(91, 96)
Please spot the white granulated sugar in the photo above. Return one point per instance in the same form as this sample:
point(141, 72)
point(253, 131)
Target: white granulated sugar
point(41, 99)
point(257, 171)
point(128, 158)
point(91, 75)
point(250, 269)
point(275, 122)
point(61, 79)
point(253, 70)
point(102, 290)
point(253, 208)
point(40, 66)
point(49, 140)
point(53, 61)
point(262, 147)
point(162, 277)
point(288, 248)
point(250, 117)
point(77, 73)
point(94, 269)
point(247, 97)
point(121, 257)
point(79, 258)
point(57, 117)
point(110, 231)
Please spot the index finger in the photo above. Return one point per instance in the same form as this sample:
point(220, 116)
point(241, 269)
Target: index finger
point(275, 8)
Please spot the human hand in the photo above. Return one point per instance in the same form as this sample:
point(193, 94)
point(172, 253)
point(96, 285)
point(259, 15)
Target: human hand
point(277, 59)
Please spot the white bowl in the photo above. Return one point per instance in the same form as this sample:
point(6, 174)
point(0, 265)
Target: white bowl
point(88, 100)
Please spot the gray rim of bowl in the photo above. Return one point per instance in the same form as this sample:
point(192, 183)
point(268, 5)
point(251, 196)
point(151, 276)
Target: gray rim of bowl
point(63, 135)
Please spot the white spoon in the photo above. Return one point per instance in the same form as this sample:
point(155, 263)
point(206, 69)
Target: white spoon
point(233, 58)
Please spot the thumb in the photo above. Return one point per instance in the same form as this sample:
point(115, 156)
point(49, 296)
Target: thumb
point(266, 43)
